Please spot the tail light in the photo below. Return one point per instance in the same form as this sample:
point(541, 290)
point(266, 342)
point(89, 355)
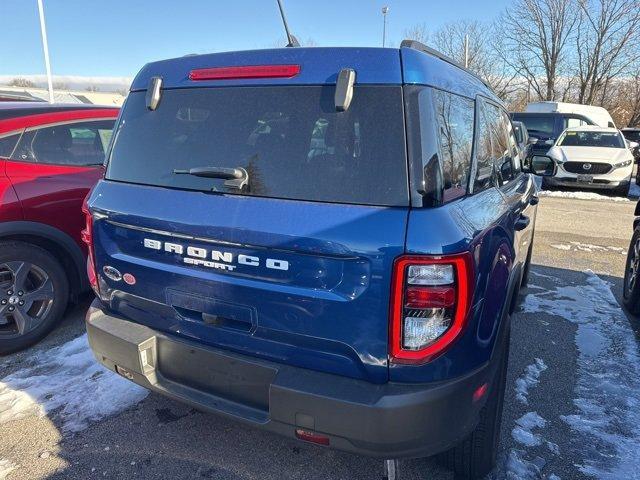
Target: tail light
point(87, 237)
point(430, 302)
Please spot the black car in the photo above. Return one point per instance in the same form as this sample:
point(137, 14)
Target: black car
point(631, 288)
point(633, 135)
point(522, 137)
point(545, 128)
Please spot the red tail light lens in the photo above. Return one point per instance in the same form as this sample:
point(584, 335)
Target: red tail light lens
point(245, 72)
point(87, 237)
point(430, 302)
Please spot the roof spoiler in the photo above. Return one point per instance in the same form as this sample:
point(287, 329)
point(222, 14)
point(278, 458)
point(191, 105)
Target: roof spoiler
point(415, 45)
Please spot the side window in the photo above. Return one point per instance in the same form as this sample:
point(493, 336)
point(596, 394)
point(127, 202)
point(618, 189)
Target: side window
point(570, 122)
point(513, 144)
point(79, 144)
point(7, 144)
point(455, 120)
point(484, 152)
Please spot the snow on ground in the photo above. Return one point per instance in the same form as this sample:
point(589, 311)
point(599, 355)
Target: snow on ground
point(606, 422)
point(531, 378)
point(523, 432)
point(588, 247)
point(516, 465)
point(6, 467)
point(67, 384)
point(579, 195)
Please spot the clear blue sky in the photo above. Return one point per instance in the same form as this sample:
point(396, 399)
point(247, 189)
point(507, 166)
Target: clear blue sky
point(117, 37)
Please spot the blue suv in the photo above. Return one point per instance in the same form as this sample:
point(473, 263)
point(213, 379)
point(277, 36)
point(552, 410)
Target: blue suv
point(326, 243)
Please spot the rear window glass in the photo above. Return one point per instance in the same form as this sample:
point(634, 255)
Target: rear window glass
point(592, 139)
point(541, 126)
point(290, 140)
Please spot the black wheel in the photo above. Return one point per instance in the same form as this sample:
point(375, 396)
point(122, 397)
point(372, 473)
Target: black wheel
point(631, 288)
point(34, 291)
point(475, 457)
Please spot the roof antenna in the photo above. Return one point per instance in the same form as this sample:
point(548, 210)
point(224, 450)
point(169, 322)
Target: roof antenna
point(293, 41)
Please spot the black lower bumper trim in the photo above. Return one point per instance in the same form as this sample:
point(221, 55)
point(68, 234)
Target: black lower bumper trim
point(386, 421)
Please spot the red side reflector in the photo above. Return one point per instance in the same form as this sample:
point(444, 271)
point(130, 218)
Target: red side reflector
point(312, 437)
point(429, 297)
point(252, 71)
point(480, 392)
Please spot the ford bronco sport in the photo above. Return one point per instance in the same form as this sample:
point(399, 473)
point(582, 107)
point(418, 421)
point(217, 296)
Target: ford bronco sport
point(326, 243)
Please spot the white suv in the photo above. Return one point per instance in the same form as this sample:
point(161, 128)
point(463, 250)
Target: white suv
point(592, 157)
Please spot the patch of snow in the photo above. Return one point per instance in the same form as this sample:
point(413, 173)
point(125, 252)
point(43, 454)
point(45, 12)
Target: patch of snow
point(579, 195)
point(561, 246)
point(6, 467)
point(516, 467)
point(588, 247)
point(530, 378)
point(67, 383)
point(523, 433)
point(606, 424)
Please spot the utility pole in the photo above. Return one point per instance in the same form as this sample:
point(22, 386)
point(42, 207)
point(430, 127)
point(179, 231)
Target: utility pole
point(466, 51)
point(385, 10)
point(45, 46)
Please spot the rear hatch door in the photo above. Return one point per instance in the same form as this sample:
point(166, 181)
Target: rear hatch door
point(294, 268)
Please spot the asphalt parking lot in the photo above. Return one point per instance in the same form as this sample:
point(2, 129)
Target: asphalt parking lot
point(571, 410)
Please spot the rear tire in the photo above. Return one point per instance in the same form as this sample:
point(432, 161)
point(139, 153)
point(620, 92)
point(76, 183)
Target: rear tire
point(527, 266)
point(475, 457)
point(631, 285)
point(34, 292)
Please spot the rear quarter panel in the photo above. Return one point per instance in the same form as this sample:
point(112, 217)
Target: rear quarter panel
point(483, 225)
point(53, 194)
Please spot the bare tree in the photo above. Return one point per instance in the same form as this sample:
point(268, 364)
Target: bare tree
point(484, 47)
point(418, 32)
point(21, 82)
point(606, 45)
point(537, 34)
point(92, 88)
point(60, 86)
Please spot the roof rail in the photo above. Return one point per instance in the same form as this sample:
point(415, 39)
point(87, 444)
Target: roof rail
point(416, 45)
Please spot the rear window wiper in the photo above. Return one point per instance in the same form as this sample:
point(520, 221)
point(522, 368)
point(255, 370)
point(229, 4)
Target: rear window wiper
point(235, 177)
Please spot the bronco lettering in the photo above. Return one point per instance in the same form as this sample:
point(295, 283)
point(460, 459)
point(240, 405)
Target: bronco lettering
point(214, 258)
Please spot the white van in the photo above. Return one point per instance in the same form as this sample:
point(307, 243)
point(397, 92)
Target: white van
point(598, 115)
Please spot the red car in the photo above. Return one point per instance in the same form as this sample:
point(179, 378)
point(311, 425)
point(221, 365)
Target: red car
point(50, 156)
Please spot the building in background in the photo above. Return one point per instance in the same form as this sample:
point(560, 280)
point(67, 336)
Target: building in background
point(36, 94)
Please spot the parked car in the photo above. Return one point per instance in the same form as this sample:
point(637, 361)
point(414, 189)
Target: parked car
point(594, 158)
point(522, 137)
point(631, 285)
point(50, 156)
point(266, 247)
point(633, 141)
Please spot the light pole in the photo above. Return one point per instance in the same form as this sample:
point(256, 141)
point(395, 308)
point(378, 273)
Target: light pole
point(45, 47)
point(385, 10)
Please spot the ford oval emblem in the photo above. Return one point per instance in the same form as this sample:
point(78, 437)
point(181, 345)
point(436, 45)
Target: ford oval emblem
point(112, 273)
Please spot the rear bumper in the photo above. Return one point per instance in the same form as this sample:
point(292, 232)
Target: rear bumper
point(386, 421)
